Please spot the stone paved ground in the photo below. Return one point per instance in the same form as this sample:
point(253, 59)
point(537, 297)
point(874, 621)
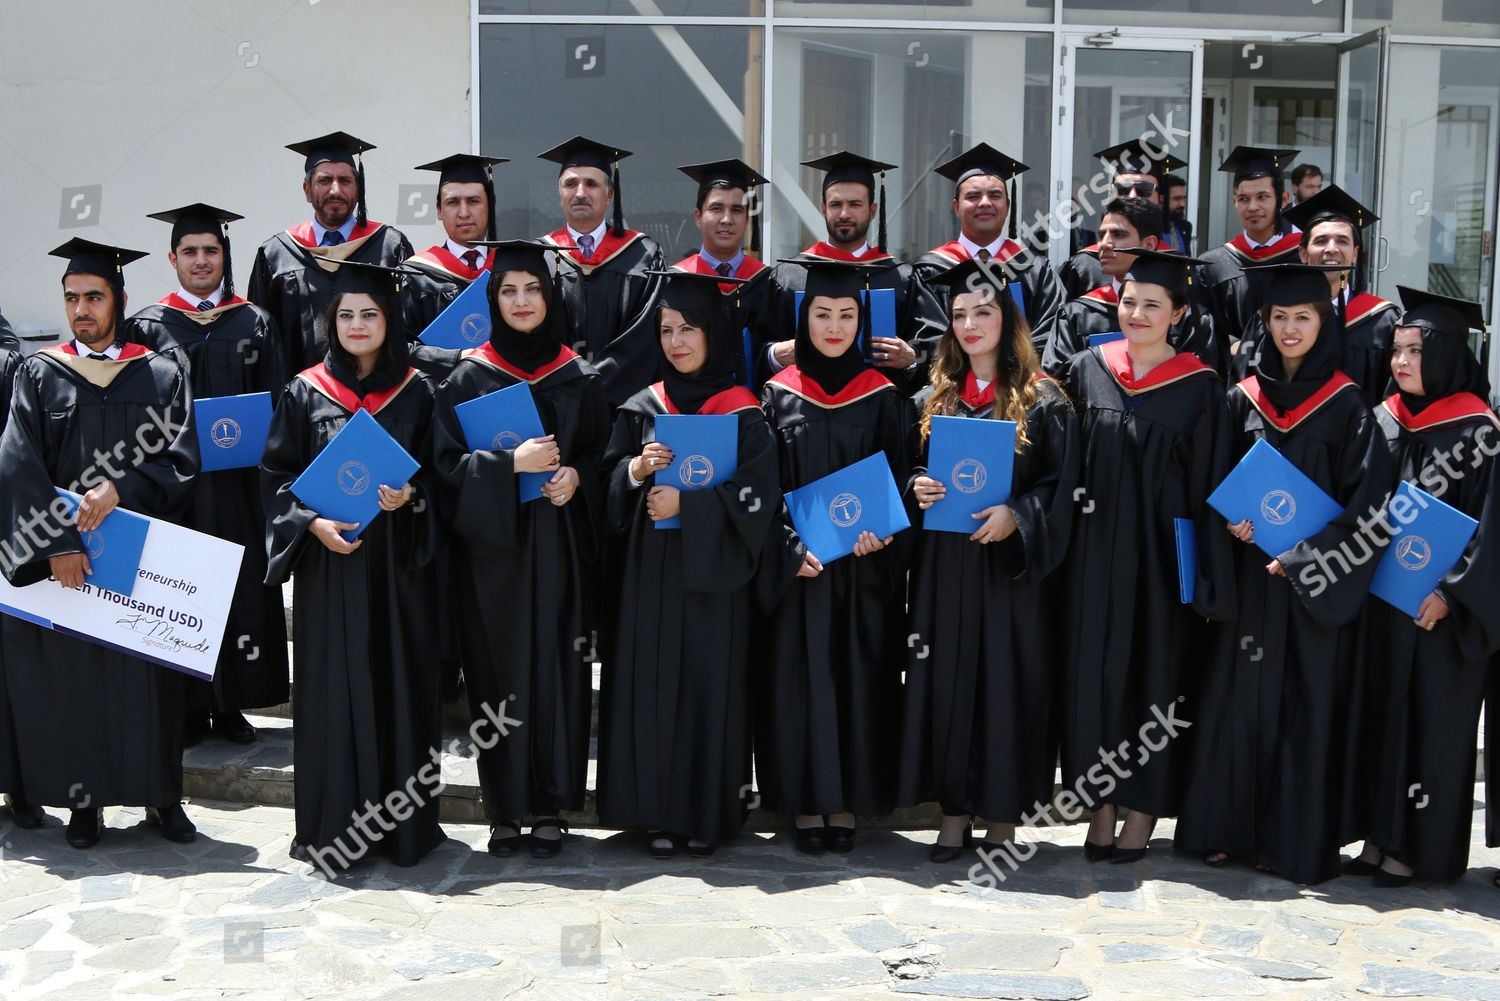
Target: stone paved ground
point(232, 916)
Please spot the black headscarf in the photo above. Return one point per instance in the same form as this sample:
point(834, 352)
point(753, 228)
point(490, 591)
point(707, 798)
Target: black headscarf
point(1448, 368)
point(832, 374)
point(393, 362)
point(1318, 365)
point(701, 303)
point(527, 351)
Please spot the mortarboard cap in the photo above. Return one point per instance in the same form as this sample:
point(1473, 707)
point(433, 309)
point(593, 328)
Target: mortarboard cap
point(1439, 313)
point(469, 168)
point(90, 258)
point(1257, 161)
point(1293, 284)
point(583, 152)
point(846, 166)
point(337, 147)
point(1137, 156)
point(1332, 202)
point(689, 290)
point(201, 218)
point(1169, 270)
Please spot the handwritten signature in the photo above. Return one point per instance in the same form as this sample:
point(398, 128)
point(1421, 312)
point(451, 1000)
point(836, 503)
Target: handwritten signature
point(161, 631)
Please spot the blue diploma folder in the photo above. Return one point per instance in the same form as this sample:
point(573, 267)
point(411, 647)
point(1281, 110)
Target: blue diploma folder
point(1281, 502)
point(882, 314)
point(465, 323)
point(1187, 559)
point(502, 420)
point(830, 513)
point(1422, 551)
point(1097, 339)
point(343, 482)
point(114, 548)
point(974, 458)
point(232, 430)
point(705, 453)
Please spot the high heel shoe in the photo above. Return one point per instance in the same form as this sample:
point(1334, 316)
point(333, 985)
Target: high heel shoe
point(1098, 853)
point(839, 839)
point(811, 840)
point(1125, 856)
point(1359, 867)
point(941, 853)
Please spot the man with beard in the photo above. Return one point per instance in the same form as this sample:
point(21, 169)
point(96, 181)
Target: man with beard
point(849, 206)
point(227, 347)
point(290, 280)
point(1178, 232)
point(93, 726)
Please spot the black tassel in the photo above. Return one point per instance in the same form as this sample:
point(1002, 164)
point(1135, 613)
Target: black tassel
point(493, 233)
point(1011, 191)
point(228, 262)
point(619, 220)
point(881, 245)
point(752, 201)
point(361, 215)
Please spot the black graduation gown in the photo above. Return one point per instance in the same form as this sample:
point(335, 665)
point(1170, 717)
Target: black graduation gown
point(1081, 273)
point(522, 583)
point(8, 339)
point(93, 726)
point(367, 717)
point(433, 280)
point(1422, 705)
point(289, 283)
point(1233, 296)
point(10, 361)
point(1369, 332)
point(227, 352)
point(828, 704)
point(1041, 292)
point(979, 732)
point(1267, 777)
point(674, 722)
point(1098, 312)
point(920, 319)
point(611, 303)
point(1153, 449)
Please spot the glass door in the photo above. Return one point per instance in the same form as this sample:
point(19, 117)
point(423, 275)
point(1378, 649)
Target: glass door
point(1358, 150)
point(1112, 89)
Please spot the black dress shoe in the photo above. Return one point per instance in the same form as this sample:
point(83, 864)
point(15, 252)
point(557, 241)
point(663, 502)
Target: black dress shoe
point(839, 839)
point(546, 847)
point(811, 840)
point(662, 845)
point(948, 853)
point(504, 846)
point(196, 727)
point(1125, 856)
point(1359, 867)
point(26, 816)
point(85, 827)
point(1098, 853)
point(1390, 880)
point(173, 821)
point(234, 727)
point(299, 852)
point(700, 851)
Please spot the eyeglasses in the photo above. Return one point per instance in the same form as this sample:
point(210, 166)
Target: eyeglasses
point(1144, 189)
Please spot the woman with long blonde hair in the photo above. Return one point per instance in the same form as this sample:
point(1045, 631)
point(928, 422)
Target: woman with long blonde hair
point(979, 735)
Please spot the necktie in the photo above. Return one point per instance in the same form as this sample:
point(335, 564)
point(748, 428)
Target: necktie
point(471, 259)
point(586, 246)
point(94, 357)
point(984, 255)
point(332, 238)
point(205, 305)
point(723, 269)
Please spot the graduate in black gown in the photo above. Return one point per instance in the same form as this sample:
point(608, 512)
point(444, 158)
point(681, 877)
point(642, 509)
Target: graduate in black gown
point(92, 726)
point(228, 347)
point(1429, 674)
point(605, 279)
point(1154, 446)
point(1127, 223)
point(293, 276)
point(1269, 758)
point(523, 580)
point(674, 745)
point(828, 703)
point(1259, 178)
point(979, 731)
point(984, 197)
point(367, 716)
point(436, 276)
point(10, 361)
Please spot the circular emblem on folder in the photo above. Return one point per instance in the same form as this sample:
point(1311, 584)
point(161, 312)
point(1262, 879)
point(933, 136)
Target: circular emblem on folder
point(476, 328)
point(354, 478)
point(93, 542)
point(225, 432)
point(845, 510)
point(1413, 552)
point(1278, 507)
point(506, 439)
point(696, 471)
point(969, 476)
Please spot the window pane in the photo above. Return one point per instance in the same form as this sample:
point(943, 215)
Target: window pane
point(625, 8)
point(1438, 199)
point(920, 10)
point(671, 95)
point(910, 99)
point(1459, 18)
point(1277, 15)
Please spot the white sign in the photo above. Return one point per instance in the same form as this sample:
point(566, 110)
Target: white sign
point(174, 617)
